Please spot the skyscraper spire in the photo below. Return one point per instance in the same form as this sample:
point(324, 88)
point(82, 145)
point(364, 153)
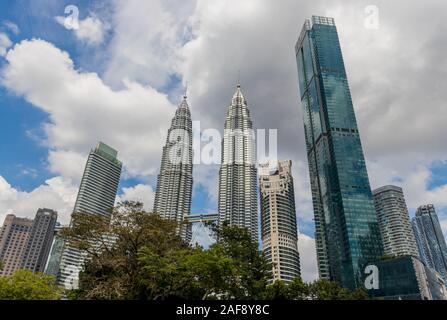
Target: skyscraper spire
point(238, 175)
point(174, 184)
point(239, 78)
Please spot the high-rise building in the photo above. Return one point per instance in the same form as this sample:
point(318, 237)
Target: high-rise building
point(238, 176)
point(278, 221)
point(407, 278)
point(40, 240)
point(174, 185)
point(394, 222)
point(54, 260)
point(430, 240)
point(347, 230)
point(99, 183)
point(14, 237)
point(96, 195)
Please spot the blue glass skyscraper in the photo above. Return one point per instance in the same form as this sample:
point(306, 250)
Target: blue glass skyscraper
point(430, 240)
point(347, 231)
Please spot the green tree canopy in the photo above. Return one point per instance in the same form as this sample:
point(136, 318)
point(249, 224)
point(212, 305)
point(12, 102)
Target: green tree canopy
point(138, 255)
point(318, 290)
point(26, 285)
point(330, 290)
point(113, 269)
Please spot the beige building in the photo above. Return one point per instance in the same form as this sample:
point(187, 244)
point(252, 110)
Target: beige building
point(278, 220)
point(13, 241)
point(394, 222)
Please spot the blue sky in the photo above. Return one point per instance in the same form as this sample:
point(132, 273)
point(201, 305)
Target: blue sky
point(22, 148)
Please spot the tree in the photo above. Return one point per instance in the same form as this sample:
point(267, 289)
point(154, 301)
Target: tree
point(113, 245)
point(188, 274)
point(139, 255)
point(250, 269)
point(298, 290)
point(318, 290)
point(26, 285)
point(276, 291)
point(232, 268)
point(330, 290)
point(359, 294)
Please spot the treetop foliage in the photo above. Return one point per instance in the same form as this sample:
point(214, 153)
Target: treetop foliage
point(139, 255)
point(26, 285)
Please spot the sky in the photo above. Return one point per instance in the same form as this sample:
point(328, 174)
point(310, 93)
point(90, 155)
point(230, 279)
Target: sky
point(118, 74)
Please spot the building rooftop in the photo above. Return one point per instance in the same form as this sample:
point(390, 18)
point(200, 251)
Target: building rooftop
point(308, 25)
point(387, 188)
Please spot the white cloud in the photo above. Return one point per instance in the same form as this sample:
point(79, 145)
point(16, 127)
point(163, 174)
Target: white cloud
point(31, 172)
point(413, 178)
point(207, 176)
point(57, 193)
point(444, 226)
point(395, 117)
point(306, 247)
point(147, 41)
point(11, 26)
point(5, 44)
point(91, 30)
point(141, 193)
point(70, 164)
point(83, 110)
point(201, 235)
point(303, 195)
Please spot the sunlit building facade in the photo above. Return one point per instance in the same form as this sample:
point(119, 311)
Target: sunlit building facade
point(394, 223)
point(278, 221)
point(14, 237)
point(96, 195)
point(238, 202)
point(174, 184)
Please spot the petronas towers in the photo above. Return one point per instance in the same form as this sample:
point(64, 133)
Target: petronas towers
point(237, 177)
point(238, 173)
point(174, 184)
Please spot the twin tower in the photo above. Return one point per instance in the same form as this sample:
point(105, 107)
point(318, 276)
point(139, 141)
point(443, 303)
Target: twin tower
point(237, 176)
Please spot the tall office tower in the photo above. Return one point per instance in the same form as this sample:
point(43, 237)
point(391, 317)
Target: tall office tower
point(347, 230)
point(40, 240)
point(407, 278)
point(13, 240)
point(278, 221)
point(394, 222)
point(430, 240)
point(52, 266)
point(238, 176)
point(96, 195)
point(174, 184)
